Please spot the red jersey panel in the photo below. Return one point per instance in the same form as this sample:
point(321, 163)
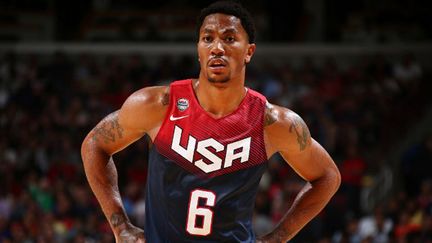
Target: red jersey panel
point(210, 147)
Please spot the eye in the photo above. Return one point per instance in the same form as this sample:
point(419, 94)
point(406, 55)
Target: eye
point(207, 39)
point(230, 39)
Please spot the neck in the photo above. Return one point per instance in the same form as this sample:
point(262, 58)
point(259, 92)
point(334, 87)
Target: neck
point(219, 99)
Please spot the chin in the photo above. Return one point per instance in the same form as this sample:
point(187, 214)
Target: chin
point(220, 80)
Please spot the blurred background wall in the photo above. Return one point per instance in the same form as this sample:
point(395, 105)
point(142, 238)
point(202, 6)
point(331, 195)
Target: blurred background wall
point(358, 72)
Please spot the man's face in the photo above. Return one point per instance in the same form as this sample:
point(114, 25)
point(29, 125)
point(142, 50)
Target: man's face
point(223, 48)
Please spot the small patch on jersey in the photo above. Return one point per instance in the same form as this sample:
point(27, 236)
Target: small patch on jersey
point(182, 104)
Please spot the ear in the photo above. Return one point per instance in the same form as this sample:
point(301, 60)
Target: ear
point(197, 48)
point(250, 52)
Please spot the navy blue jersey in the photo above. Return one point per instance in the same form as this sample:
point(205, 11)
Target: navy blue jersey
point(204, 172)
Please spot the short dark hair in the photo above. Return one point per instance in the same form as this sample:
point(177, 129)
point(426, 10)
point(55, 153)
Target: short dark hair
point(230, 8)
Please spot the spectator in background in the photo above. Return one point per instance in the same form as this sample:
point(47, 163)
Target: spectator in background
point(353, 168)
point(408, 73)
point(349, 234)
point(377, 226)
point(416, 165)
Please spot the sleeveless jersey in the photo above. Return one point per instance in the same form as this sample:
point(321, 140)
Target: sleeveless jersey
point(204, 172)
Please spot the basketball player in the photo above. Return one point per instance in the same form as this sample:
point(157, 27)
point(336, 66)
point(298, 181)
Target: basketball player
point(212, 137)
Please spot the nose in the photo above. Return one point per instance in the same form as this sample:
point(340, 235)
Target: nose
point(217, 48)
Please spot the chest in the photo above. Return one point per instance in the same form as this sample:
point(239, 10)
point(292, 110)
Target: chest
point(210, 147)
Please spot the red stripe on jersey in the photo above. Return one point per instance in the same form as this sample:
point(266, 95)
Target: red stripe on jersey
point(206, 146)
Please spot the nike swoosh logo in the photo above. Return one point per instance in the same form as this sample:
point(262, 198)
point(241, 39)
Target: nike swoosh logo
point(173, 118)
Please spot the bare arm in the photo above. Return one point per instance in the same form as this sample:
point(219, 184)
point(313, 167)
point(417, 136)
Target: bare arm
point(142, 113)
point(288, 134)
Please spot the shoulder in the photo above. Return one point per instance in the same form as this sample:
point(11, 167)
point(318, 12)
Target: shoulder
point(145, 107)
point(285, 129)
point(155, 95)
point(280, 116)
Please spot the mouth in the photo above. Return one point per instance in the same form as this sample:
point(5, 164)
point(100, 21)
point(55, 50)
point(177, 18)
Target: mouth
point(217, 64)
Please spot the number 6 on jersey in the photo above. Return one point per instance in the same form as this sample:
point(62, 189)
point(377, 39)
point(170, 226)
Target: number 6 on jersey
point(194, 211)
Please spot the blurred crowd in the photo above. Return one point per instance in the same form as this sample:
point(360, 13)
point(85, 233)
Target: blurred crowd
point(49, 103)
point(362, 21)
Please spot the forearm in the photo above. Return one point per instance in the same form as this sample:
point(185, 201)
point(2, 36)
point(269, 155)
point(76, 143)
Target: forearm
point(309, 202)
point(101, 174)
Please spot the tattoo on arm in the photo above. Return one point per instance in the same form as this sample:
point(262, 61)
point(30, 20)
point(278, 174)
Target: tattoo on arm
point(109, 129)
point(303, 136)
point(129, 234)
point(269, 116)
point(117, 219)
point(269, 119)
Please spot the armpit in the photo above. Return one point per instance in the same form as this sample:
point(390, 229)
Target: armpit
point(165, 97)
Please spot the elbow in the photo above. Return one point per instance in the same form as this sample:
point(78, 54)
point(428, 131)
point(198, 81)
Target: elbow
point(88, 143)
point(90, 151)
point(336, 178)
point(330, 180)
point(86, 148)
